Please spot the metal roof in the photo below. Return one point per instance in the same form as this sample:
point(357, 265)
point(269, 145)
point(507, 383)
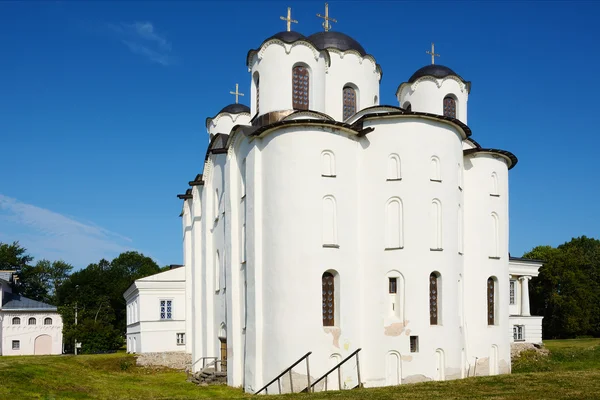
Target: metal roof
point(11, 301)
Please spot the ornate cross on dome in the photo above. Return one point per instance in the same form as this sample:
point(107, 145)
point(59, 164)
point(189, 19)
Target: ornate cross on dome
point(236, 93)
point(432, 52)
point(289, 19)
point(326, 24)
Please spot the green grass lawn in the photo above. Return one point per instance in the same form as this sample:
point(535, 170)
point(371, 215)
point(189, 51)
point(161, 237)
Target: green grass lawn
point(572, 371)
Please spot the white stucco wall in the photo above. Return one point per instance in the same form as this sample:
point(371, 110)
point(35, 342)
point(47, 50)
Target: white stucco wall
point(28, 334)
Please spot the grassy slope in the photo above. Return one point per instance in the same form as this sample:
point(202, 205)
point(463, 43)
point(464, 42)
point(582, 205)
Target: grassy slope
point(572, 372)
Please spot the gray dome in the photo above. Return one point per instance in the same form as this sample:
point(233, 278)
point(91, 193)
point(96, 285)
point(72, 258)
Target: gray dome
point(235, 109)
point(336, 40)
point(435, 70)
point(288, 36)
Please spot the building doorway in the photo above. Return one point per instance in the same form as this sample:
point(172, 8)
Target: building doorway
point(223, 354)
point(42, 345)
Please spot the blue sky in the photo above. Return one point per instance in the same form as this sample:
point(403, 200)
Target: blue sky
point(102, 107)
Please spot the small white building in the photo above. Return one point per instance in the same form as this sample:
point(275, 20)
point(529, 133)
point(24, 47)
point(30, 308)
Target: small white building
point(156, 313)
point(27, 327)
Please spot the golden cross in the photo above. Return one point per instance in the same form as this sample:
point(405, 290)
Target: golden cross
point(236, 93)
point(432, 52)
point(289, 19)
point(326, 24)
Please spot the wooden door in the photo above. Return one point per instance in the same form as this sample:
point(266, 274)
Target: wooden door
point(223, 354)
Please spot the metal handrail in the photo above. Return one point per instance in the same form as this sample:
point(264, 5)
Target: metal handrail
point(355, 353)
point(289, 369)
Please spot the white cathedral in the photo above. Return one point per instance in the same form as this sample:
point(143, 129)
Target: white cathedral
point(326, 223)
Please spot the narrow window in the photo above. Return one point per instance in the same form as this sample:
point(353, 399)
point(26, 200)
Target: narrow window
point(414, 344)
point(436, 225)
point(48, 321)
point(328, 164)
point(433, 298)
point(460, 176)
point(16, 321)
point(460, 230)
point(31, 321)
point(257, 88)
point(243, 179)
point(407, 106)
point(328, 286)
point(217, 272)
point(166, 309)
point(300, 85)
point(518, 333)
point(16, 344)
point(491, 311)
point(449, 107)
point(495, 251)
point(494, 182)
point(180, 339)
point(393, 168)
point(395, 306)
point(393, 285)
point(349, 102)
point(512, 292)
point(329, 222)
point(393, 224)
point(435, 173)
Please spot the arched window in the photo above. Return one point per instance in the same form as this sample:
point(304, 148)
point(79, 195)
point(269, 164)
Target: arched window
point(394, 172)
point(407, 106)
point(460, 176)
point(31, 321)
point(436, 225)
point(216, 204)
point(16, 321)
point(449, 107)
point(395, 289)
point(494, 188)
point(328, 164)
point(300, 85)
point(328, 286)
point(329, 222)
point(491, 300)
point(349, 102)
point(257, 88)
point(434, 297)
point(47, 321)
point(435, 173)
point(243, 179)
point(495, 252)
point(393, 224)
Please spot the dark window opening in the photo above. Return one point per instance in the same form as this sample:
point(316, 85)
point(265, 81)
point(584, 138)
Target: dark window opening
point(300, 85)
point(328, 286)
point(393, 285)
point(449, 107)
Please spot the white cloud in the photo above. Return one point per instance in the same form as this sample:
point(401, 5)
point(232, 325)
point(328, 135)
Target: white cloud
point(142, 39)
point(47, 234)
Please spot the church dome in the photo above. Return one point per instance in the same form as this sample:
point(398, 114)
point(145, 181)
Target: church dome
point(288, 36)
point(336, 40)
point(435, 70)
point(235, 109)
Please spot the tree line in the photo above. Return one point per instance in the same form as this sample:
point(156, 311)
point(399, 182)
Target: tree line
point(96, 292)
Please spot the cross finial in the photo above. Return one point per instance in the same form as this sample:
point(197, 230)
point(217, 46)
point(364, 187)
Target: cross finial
point(236, 93)
point(326, 24)
point(289, 19)
point(433, 54)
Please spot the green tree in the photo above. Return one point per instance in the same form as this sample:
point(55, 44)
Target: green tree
point(567, 290)
point(97, 293)
point(13, 256)
point(42, 280)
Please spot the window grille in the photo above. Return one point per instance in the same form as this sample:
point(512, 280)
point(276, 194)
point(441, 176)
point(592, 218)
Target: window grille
point(449, 107)
point(349, 102)
point(166, 309)
point(300, 85)
point(328, 286)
